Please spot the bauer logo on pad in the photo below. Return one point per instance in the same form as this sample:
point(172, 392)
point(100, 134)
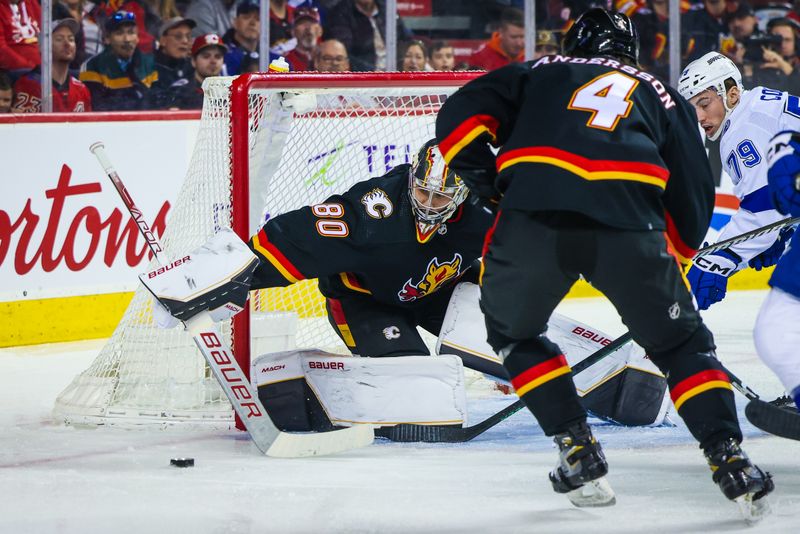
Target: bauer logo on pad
point(165, 268)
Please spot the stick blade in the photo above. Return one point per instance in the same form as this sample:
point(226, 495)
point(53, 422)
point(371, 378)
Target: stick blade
point(783, 422)
point(411, 433)
point(301, 445)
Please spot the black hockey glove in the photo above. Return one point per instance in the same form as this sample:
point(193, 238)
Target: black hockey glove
point(487, 204)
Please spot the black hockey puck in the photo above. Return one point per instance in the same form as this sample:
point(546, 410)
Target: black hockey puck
point(182, 462)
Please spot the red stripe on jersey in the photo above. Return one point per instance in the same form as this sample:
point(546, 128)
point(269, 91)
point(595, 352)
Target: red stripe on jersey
point(465, 133)
point(278, 256)
point(336, 311)
point(684, 251)
point(487, 240)
point(539, 370)
point(597, 166)
point(697, 379)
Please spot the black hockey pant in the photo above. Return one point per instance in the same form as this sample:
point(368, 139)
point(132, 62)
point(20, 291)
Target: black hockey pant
point(374, 329)
point(531, 262)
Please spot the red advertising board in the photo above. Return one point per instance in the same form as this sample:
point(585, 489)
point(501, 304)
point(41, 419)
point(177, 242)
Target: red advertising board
point(415, 8)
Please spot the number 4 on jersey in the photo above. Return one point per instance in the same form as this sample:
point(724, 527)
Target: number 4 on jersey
point(607, 97)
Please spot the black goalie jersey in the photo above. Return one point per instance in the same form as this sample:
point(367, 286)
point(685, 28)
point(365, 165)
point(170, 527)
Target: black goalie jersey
point(364, 242)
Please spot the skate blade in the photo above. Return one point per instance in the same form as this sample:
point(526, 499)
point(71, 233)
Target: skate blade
point(596, 493)
point(753, 511)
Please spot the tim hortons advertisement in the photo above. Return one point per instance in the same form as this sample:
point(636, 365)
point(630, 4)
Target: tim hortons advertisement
point(64, 232)
point(63, 228)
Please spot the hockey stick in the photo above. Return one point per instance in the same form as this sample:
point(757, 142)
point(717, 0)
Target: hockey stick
point(456, 434)
point(775, 417)
point(716, 247)
point(209, 340)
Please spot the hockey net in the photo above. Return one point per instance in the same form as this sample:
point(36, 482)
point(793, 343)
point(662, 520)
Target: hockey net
point(255, 158)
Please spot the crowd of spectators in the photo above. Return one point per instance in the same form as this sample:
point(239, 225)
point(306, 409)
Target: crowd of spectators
point(154, 54)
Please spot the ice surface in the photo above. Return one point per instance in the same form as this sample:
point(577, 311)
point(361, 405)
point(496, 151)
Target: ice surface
point(63, 479)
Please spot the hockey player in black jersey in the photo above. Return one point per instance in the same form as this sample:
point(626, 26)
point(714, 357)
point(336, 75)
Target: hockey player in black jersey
point(388, 253)
point(601, 173)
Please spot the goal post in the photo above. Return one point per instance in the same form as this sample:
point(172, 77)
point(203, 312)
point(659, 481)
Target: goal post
point(254, 158)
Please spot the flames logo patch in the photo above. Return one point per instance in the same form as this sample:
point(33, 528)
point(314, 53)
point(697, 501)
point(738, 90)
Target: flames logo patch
point(437, 275)
point(377, 204)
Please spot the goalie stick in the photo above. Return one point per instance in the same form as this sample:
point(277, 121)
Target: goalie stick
point(226, 370)
point(454, 434)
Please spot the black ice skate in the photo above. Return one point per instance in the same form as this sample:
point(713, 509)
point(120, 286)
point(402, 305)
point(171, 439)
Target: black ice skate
point(740, 480)
point(581, 469)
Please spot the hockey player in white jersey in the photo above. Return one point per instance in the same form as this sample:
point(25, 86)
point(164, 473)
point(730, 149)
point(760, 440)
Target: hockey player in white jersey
point(744, 121)
point(777, 332)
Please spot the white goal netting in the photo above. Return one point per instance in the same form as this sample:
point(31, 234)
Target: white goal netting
point(303, 142)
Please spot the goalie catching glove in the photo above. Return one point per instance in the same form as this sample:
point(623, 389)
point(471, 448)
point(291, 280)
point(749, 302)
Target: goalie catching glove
point(215, 278)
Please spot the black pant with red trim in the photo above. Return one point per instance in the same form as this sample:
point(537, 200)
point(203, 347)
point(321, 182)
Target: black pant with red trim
point(374, 329)
point(531, 262)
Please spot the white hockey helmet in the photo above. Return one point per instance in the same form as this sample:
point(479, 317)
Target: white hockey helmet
point(710, 72)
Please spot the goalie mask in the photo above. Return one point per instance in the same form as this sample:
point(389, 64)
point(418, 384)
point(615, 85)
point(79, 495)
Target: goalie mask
point(435, 190)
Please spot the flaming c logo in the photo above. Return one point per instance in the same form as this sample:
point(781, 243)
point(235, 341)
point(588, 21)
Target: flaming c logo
point(437, 275)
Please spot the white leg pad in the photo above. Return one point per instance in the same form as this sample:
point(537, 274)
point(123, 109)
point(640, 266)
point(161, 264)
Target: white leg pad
point(377, 391)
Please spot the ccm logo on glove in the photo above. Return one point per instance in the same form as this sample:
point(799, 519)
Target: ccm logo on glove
point(165, 268)
point(712, 267)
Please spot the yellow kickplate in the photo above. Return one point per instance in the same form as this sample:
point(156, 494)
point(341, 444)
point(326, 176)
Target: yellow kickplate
point(31, 322)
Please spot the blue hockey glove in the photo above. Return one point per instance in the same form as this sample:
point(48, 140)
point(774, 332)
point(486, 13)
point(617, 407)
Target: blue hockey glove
point(771, 256)
point(708, 277)
point(783, 177)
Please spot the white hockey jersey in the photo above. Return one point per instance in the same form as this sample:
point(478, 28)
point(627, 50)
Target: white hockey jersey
point(761, 114)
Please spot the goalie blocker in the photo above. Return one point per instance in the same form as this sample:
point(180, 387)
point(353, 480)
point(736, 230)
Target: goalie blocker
point(215, 278)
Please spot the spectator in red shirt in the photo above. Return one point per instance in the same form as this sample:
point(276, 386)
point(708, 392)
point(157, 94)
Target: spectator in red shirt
point(507, 44)
point(69, 95)
point(19, 35)
point(307, 32)
point(6, 93)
